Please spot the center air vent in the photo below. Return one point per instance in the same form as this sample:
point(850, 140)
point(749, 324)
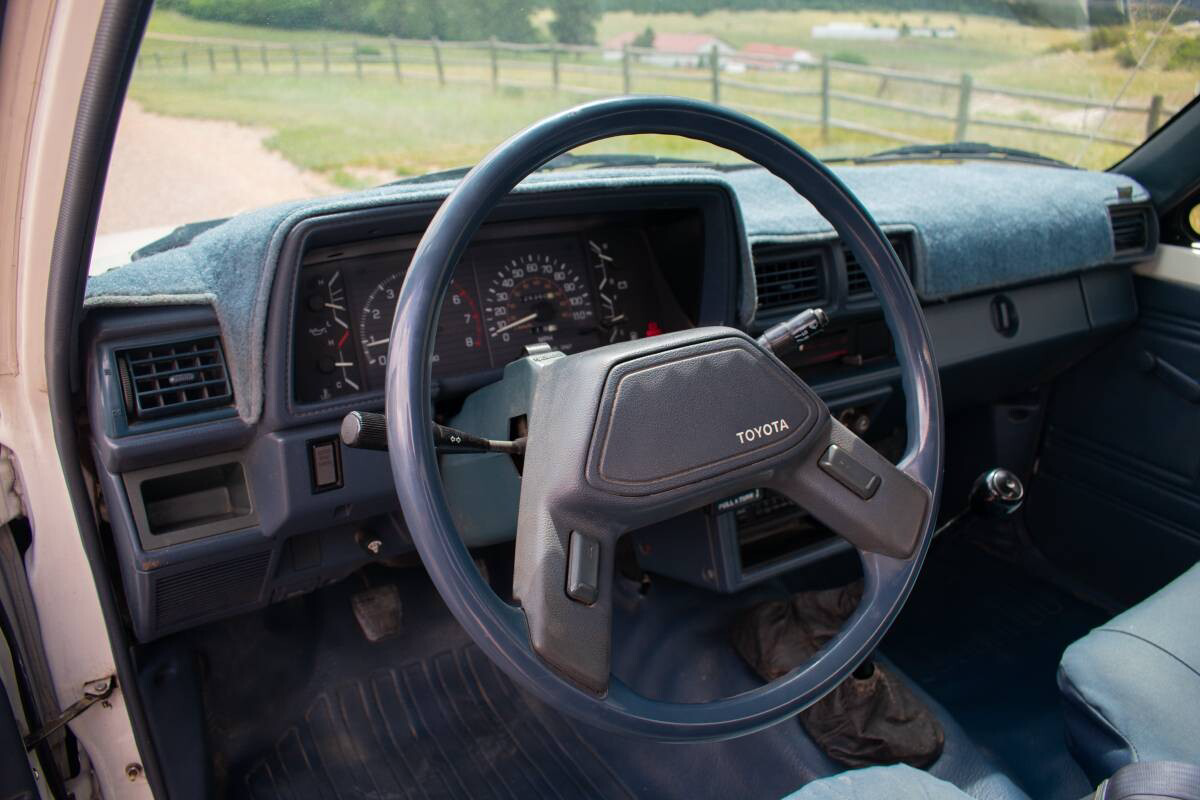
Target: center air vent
point(786, 277)
point(165, 380)
point(857, 285)
point(1131, 230)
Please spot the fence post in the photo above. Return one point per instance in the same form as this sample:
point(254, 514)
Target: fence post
point(295, 60)
point(825, 98)
point(325, 56)
point(395, 57)
point(495, 62)
point(554, 77)
point(262, 49)
point(964, 109)
point(626, 70)
point(183, 60)
point(715, 65)
point(357, 59)
point(212, 60)
point(1154, 114)
point(237, 59)
point(437, 61)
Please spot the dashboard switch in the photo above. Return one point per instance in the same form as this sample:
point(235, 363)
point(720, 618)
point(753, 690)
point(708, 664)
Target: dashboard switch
point(326, 464)
point(583, 569)
point(849, 473)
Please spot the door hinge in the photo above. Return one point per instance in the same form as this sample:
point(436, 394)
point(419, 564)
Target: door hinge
point(93, 692)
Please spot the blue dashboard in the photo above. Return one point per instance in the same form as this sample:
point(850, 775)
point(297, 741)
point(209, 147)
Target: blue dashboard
point(219, 369)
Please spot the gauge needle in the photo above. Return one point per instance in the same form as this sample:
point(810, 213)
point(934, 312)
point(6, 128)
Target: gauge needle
point(377, 342)
point(515, 323)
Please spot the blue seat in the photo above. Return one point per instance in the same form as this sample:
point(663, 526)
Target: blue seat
point(1131, 688)
point(890, 783)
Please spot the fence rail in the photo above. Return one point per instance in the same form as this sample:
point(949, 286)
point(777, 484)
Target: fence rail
point(513, 64)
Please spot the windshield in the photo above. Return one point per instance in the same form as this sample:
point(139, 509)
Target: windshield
point(236, 104)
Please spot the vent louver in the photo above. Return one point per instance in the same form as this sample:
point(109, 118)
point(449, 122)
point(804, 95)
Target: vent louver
point(163, 380)
point(1131, 230)
point(785, 277)
point(858, 287)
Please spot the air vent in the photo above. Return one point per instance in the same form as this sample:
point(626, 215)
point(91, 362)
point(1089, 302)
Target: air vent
point(1131, 230)
point(786, 277)
point(211, 589)
point(858, 287)
point(164, 380)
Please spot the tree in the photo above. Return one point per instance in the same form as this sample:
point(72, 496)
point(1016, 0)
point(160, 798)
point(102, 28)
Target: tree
point(575, 21)
point(645, 39)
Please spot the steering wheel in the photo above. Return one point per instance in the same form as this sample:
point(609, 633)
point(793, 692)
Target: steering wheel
point(632, 433)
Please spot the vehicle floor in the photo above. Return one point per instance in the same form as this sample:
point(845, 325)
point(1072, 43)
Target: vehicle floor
point(984, 637)
point(299, 704)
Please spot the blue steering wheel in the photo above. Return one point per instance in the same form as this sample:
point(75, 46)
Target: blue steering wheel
point(631, 433)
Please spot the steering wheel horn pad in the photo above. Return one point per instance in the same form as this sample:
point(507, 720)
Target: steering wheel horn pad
point(633, 433)
point(678, 416)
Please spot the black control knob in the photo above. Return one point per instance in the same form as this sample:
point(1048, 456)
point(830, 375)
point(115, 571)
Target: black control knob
point(997, 493)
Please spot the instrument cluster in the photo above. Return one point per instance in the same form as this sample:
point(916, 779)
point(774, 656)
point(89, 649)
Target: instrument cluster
point(571, 289)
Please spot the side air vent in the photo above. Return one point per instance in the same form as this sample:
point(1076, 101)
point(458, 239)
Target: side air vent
point(210, 589)
point(1131, 230)
point(786, 277)
point(164, 380)
point(858, 287)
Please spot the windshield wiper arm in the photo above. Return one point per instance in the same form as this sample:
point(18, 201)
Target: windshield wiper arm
point(977, 151)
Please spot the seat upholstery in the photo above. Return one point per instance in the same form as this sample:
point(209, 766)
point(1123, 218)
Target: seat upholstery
point(898, 782)
point(1131, 688)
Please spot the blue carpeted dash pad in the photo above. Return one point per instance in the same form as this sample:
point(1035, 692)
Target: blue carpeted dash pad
point(977, 227)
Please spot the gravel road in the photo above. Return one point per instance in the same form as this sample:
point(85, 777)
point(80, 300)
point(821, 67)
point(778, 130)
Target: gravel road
point(170, 170)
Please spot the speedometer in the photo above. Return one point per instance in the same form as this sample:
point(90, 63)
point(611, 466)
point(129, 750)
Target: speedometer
point(538, 297)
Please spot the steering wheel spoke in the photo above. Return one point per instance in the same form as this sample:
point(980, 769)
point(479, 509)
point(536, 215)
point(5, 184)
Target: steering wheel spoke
point(846, 484)
point(562, 579)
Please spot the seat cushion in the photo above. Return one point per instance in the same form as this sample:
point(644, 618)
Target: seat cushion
point(1131, 687)
point(884, 783)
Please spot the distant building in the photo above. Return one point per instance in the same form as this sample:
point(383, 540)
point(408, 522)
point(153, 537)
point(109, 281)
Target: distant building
point(855, 31)
point(670, 49)
point(946, 32)
point(760, 55)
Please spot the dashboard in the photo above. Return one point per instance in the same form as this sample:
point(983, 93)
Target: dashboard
point(572, 284)
point(229, 490)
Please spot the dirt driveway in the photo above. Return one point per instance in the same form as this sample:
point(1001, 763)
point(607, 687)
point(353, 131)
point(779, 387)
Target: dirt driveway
point(170, 170)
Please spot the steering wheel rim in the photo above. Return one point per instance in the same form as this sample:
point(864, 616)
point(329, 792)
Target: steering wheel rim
point(499, 629)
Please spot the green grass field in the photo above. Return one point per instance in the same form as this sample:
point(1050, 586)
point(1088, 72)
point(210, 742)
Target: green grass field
point(350, 117)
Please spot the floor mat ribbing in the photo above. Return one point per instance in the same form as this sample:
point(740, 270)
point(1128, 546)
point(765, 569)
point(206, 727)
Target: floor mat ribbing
point(450, 726)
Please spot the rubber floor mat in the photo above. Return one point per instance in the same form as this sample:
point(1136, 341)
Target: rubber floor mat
point(450, 726)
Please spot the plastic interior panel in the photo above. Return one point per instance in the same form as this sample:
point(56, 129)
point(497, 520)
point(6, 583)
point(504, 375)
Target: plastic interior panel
point(198, 498)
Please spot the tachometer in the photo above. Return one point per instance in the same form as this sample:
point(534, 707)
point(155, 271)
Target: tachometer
point(537, 297)
point(460, 345)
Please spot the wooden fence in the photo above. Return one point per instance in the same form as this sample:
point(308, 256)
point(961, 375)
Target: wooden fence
point(596, 71)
